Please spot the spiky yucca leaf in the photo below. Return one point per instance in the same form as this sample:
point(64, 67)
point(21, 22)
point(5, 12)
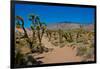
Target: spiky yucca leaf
point(32, 27)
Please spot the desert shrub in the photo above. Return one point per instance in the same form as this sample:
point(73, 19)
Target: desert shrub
point(86, 53)
point(80, 40)
point(25, 59)
point(18, 57)
point(62, 45)
point(55, 43)
point(81, 51)
point(68, 36)
point(36, 48)
point(73, 45)
point(90, 51)
point(55, 38)
point(89, 55)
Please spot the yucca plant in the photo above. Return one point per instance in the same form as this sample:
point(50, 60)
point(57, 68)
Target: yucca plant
point(54, 35)
point(38, 26)
point(49, 34)
point(18, 25)
point(70, 37)
point(38, 34)
point(38, 29)
point(79, 32)
point(34, 34)
point(65, 35)
point(19, 18)
point(60, 35)
point(44, 28)
point(33, 26)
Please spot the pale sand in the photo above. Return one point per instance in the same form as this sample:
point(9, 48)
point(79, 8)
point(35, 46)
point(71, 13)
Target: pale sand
point(58, 55)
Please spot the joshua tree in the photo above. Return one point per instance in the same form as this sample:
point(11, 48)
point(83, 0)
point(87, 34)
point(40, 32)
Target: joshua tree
point(18, 25)
point(65, 35)
point(79, 34)
point(49, 34)
point(68, 36)
point(38, 29)
point(38, 26)
point(41, 27)
point(44, 27)
point(20, 19)
point(60, 35)
point(33, 26)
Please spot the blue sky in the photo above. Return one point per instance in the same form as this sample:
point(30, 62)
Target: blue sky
point(53, 14)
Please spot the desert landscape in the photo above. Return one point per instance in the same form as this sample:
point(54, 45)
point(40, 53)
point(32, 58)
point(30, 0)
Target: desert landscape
point(52, 34)
point(60, 42)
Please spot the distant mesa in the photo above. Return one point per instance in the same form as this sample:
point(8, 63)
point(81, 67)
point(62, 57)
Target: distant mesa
point(89, 27)
point(69, 25)
point(63, 26)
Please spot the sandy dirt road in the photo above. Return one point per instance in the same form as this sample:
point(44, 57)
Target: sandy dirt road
point(58, 55)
